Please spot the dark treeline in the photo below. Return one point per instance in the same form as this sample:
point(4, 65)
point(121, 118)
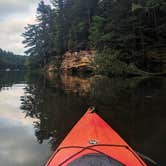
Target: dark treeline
point(124, 33)
point(9, 60)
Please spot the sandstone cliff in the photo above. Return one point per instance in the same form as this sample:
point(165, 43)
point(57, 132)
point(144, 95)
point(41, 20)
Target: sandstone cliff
point(78, 61)
point(51, 68)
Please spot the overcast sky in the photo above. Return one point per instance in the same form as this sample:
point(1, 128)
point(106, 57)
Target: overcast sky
point(14, 16)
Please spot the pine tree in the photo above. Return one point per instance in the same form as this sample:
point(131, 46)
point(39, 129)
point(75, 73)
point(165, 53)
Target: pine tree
point(39, 37)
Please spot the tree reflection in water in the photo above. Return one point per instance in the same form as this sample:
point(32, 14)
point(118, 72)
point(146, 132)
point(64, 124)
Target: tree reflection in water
point(7, 79)
point(134, 107)
point(52, 107)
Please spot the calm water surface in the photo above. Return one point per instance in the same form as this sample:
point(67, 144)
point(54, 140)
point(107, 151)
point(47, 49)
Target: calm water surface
point(36, 113)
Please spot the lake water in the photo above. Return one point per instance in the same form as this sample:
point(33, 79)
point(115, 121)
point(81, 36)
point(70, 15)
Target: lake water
point(36, 112)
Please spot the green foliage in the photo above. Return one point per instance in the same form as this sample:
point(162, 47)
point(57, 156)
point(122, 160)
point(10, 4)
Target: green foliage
point(12, 61)
point(63, 27)
point(108, 64)
point(78, 15)
point(96, 31)
point(39, 38)
point(132, 27)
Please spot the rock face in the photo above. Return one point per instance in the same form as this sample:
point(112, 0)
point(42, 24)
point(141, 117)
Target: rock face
point(78, 61)
point(51, 68)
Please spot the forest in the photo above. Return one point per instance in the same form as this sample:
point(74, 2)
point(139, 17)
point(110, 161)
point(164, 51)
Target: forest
point(128, 35)
point(9, 60)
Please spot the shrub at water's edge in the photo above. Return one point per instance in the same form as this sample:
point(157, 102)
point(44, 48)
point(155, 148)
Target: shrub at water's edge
point(107, 63)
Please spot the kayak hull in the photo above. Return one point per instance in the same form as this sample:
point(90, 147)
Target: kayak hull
point(92, 135)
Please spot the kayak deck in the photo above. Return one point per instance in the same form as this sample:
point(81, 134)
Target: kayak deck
point(92, 135)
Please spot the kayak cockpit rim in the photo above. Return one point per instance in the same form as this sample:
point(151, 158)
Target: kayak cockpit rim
point(91, 147)
point(95, 159)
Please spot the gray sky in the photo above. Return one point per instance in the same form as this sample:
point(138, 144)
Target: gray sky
point(14, 16)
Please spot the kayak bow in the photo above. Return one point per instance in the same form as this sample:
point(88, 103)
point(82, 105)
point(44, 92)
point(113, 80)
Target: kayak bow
point(93, 142)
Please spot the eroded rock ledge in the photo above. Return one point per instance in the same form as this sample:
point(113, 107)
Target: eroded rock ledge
point(81, 61)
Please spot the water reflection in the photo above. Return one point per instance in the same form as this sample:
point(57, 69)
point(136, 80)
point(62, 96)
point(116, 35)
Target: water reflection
point(36, 112)
point(134, 107)
point(18, 145)
point(56, 110)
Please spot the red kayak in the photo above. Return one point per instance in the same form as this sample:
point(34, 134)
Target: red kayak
point(92, 142)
